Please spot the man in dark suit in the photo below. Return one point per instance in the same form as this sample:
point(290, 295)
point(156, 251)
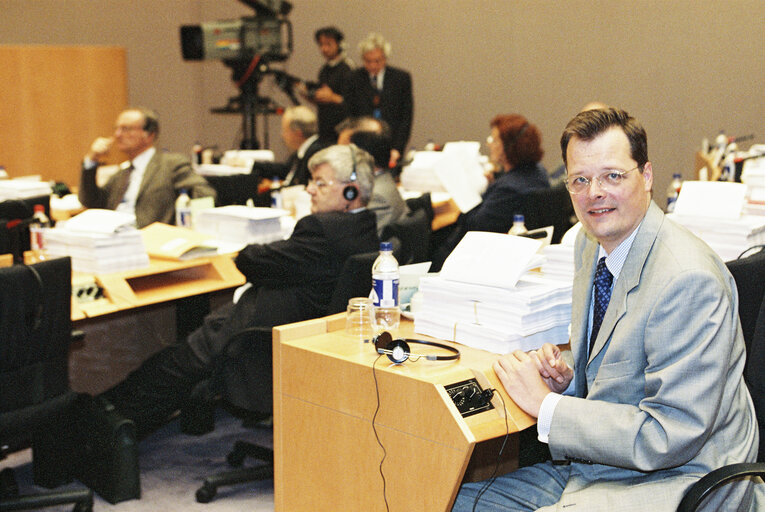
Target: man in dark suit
point(382, 91)
point(148, 183)
point(287, 281)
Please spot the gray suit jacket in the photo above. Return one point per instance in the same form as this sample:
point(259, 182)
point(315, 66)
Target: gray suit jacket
point(386, 201)
point(166, 174)
point(667, 402)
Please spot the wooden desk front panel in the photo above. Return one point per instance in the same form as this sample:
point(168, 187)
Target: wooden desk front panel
point(327, 456)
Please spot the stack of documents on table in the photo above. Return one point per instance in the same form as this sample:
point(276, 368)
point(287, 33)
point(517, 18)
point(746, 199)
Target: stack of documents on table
point(559, 262)
point(244, 224)
point(23, 188)
point(485, 297)
point(99, 242)
point(753, 174)
point(236, 162)
point(712, 211)
point(458, 170)
point(420, 174)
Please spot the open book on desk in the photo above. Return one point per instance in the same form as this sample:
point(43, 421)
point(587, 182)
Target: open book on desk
point(177, 243)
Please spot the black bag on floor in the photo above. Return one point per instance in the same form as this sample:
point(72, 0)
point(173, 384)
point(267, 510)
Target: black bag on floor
point(106, 453)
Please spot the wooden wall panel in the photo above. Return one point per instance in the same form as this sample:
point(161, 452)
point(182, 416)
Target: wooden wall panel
point(54, 100)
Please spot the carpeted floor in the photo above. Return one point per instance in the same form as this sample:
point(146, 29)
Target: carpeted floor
point(173, 466)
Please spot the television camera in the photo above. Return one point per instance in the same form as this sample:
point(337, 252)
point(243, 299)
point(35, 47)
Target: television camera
point(247, 45)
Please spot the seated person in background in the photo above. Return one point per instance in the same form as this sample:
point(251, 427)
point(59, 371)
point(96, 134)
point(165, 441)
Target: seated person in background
point(149, 182)
point(351, 125)
point(287, 281)
point(651, 396)
point(300, 133)
point(515, 147)
point(386, 201)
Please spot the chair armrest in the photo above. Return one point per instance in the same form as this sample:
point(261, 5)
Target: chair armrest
point(698, 491)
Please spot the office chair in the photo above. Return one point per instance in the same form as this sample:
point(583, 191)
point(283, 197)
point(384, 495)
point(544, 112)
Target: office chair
point(238, 367)
point(749, 274)
point(35, 399)
point(548, 207)
point(237, 189)
point(413, 230)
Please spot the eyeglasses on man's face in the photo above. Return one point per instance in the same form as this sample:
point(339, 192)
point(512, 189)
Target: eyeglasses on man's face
point(611, 179)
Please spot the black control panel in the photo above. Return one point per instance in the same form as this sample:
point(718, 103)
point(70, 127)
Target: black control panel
point(469, 397)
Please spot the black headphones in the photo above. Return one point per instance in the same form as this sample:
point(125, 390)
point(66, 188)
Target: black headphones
point(351, 192)
point(398, 349)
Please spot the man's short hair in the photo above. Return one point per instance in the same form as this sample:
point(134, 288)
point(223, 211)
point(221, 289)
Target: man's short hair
point(363, 123)
point(589, 124)
point(373, 41)
point(303, 119)
point(150, 119)
point(344, 160)
point(331, 32)
point(376, 144)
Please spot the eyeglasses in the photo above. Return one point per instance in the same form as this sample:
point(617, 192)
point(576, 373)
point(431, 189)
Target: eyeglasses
point(611, 179)
point(320, 183)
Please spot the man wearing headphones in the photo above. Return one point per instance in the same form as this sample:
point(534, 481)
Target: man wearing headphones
point(287, 281)
point(334, 76)
point(148, 183)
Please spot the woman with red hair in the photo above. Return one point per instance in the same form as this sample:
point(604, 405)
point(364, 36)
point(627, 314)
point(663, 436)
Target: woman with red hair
point(515, 148)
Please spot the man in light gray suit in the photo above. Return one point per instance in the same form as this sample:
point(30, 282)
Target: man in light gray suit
point(652, 395)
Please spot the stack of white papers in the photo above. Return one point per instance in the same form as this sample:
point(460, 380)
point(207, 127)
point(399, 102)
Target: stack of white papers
point(537, 310)
point(727, 237)
point(485, 296)
point(23, 188)
point(244, 224)
point(420, 174)
point(99, 241)
point(713, 212)
point(559, 262)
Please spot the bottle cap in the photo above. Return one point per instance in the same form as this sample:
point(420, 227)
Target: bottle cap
point(518, 217)
point(386, 246)
point(39, 208)
point(677, 175)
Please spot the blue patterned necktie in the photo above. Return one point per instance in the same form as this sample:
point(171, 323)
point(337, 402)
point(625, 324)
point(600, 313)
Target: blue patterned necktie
point(602, 285)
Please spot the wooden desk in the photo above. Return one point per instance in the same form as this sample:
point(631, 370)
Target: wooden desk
point(444, 214)
point(162, 281)
point(326, 453)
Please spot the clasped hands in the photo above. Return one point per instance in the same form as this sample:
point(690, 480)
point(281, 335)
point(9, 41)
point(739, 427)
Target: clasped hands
point(529, 376)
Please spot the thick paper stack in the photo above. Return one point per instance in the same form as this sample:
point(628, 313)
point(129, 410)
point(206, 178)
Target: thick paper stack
point(486, 298)
point(753, 174)
point(23, 188)
point(712, 211)
point(236, 162)
point(99, 242)
point(244, 224)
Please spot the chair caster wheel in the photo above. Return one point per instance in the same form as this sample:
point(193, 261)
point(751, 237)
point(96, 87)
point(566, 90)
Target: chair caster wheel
point(206, 493)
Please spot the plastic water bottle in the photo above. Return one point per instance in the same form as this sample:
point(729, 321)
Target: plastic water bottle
point(37, 227)
point(673, 190)
point(385, 279)
point(183, 210)
point(519, 226)
point(276, 193)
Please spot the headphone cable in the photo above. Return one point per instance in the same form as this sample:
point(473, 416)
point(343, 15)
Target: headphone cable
point(374, 429)
point(493, 476)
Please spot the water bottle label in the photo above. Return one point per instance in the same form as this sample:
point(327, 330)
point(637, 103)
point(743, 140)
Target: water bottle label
point(185, 218)
point(385, 293)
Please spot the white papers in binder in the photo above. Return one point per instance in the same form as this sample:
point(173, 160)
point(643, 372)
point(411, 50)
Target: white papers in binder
point(492, 259)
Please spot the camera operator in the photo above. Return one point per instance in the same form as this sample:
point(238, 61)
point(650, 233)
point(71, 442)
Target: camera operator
point(334, 76)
